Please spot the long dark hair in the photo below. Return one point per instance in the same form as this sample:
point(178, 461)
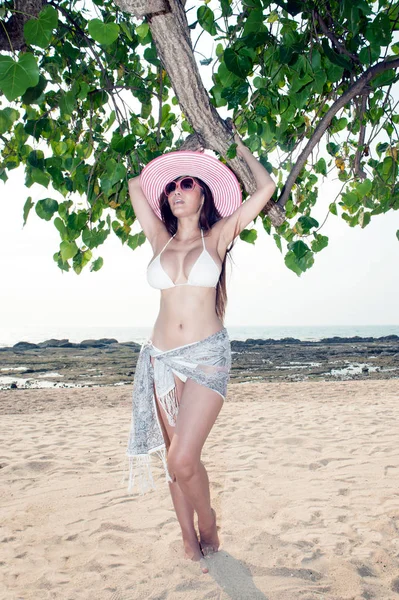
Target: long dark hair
point(209, 215)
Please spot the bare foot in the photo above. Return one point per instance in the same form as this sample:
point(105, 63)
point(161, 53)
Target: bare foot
point(193, 551)
point(209, 540)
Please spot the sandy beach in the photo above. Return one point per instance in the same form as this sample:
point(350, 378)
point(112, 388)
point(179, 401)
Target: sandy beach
point(304, 480)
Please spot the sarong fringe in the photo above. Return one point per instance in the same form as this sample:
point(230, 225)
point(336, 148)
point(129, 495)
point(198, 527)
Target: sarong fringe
point(170, 404)
point(140, 472)
point(162, 455)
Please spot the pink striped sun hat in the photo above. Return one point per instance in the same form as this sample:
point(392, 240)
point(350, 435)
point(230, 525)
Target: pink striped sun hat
point(220, 179)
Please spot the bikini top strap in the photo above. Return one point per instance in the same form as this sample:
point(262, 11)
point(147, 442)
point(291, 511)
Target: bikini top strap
point(203, 241)
point(169, 240)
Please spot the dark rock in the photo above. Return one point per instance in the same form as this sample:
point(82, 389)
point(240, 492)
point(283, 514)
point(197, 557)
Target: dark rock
point(133, 345)
point(97, 343)
point(54, 343)
point(14, 386)
point(365, 571)
point(347, 340)
point(395, 585)
point(250, 343)
point(25, 346)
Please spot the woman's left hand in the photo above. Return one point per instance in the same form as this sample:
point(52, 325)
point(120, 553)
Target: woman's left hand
point(240, 144)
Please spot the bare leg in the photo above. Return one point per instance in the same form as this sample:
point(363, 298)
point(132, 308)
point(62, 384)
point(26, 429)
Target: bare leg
point(199, 408)
point(182, 504)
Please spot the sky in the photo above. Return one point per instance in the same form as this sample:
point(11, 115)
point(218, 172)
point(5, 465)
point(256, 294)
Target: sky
point(354, 281)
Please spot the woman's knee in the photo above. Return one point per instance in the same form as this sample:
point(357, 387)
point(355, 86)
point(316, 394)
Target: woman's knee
point(183, 466)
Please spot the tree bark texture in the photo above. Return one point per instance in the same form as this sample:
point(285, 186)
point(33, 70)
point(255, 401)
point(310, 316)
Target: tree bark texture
point(14, 27)
point(171, 36)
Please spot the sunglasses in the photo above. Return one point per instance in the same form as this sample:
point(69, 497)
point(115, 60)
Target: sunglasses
point(186, 184)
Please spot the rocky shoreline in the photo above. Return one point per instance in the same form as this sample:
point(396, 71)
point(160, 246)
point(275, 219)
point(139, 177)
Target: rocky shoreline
point(103, 362)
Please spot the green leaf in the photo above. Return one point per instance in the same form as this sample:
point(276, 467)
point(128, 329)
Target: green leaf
point(151, 55)
point(273, 17)
point(237, 63)
point(46, 208)
point(227, 78)
point(388, 170)
point(36, 159)
point(38, 32)
point(336, 59)
point(267, 224)
point(364, 219)
point(304, 225)
point(17, 77)
point(254, 25)
point(232, 151)
point(321, 167)
point(350, 199)
point(115, 171)
point(38, 176)
point(27, 206)
point(216, 92)
point(134, 241)
point(364, 188)
point(370, 54)
point(103, 33)
point(7, 117)
point(333, 208)
point(397, 234)
point(320, 242)
point(123, 144)
point(381, 147)
point(61, 228)
point(379, 31)
point(67, 103)
point(302, 256)
point(97, 264)
point(249, 235)
point(338, 125)
point(277, 239)
point(142, 30)
point(34, 95)
point(68, 250)
point(126, 30)
point(206, 19)
point(226, 8)
point(332, 148)
point(292, 263)
point(385, 78)
point(299, 248)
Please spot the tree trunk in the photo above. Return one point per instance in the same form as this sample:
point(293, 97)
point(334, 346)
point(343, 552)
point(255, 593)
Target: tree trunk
point(13, 30)
point(171, 36)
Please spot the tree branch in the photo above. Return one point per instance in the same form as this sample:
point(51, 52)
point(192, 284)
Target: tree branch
point(160, 105)
point(358, 171)
point(354, 90)
point(340, 47)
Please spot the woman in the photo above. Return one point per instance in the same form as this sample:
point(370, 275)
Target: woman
point(182, 199)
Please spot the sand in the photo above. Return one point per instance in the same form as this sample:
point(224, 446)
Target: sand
point(304, 479)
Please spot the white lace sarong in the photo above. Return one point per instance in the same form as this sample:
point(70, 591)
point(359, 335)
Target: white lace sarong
point(207, 362)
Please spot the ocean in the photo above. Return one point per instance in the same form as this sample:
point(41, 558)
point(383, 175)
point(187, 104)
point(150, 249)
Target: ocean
point(36, 333)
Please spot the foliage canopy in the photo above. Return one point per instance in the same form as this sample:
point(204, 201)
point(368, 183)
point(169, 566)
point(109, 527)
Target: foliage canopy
point(85, 102)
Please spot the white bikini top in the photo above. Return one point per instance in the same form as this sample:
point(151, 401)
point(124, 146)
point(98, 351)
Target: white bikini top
point(204, 272)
